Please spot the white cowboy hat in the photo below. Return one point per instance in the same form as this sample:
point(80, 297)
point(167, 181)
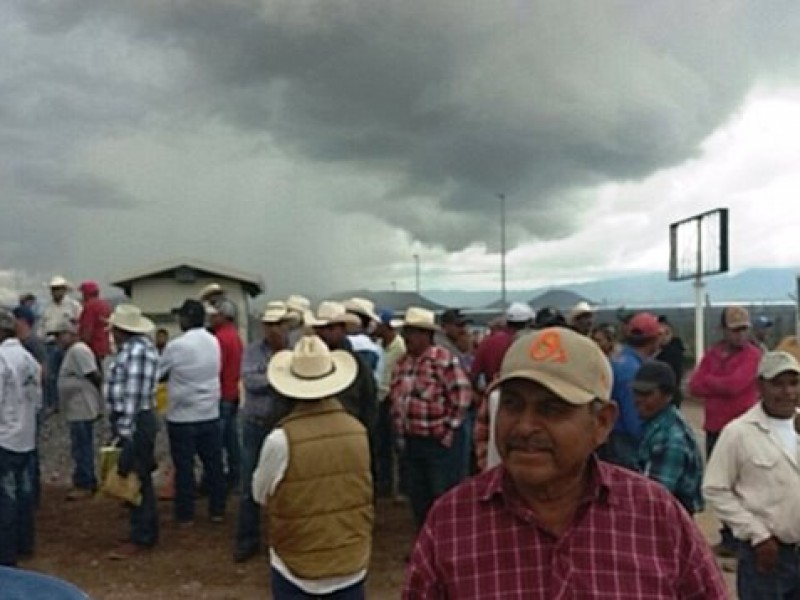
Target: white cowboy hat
point(210, 289)
point(362, 306)
point(298, 303)
point(311, 371)
point(275, 312)
point(420, 318)
point(581, 308)
point(129, 318)
point(330, 313)
point(59, 282)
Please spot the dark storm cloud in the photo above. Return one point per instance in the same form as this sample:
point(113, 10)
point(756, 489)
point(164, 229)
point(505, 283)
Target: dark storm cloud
point(454, 102)
point(72, 190)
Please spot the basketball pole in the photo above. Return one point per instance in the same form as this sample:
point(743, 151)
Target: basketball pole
point(699, 324)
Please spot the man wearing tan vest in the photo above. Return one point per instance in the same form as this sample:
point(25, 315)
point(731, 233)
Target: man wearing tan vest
point(313, 476)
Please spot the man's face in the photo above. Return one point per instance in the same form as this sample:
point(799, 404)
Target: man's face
point(58, 293)
point(161, 339)
point(333, 335)
point(275, 334)
point(604, 341)
point(417, 340)
point(454, 330)
point(544, 440)
point(736, 337)
point(215, 320)
point(584, 323)
point(761, 334)
point(780, 394)
point(651, 402)
point(665, 336)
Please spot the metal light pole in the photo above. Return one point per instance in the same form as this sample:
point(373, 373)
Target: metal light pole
point(502, 249)
point(416, 271)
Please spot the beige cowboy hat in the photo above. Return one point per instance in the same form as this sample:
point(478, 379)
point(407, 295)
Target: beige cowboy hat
point(420, 318)
point(330, 313)
point(362, 306)
point(298, 303)
point(275, 312)
point(59, 282)
point(129, 318)
point(311, 371)
point(210, 290)
point(581, 308)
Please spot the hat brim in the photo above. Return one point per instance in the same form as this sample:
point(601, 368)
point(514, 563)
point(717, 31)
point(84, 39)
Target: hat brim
point(423, 326)
point(346, 319)
point(286, 383)
point(566, 391)
point(143, 325)
point(772, 374)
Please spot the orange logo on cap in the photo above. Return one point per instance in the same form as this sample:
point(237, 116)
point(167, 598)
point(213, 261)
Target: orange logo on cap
point(548, 347)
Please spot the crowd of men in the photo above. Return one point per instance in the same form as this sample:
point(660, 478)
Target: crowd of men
point(547, 459)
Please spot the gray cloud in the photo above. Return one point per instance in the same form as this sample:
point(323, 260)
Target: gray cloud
point(439, 105)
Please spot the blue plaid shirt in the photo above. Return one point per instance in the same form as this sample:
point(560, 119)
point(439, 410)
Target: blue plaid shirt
point(668, 453)
point(131, 384)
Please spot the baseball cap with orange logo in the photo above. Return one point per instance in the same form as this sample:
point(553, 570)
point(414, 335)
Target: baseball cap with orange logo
point(567, 363)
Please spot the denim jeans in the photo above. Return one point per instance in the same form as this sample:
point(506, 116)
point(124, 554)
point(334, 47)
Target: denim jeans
point(283, 589)
point(50, 392)
point(248, 525)
point(431, 470)
point(16, 506)
point(781, 584)
point(384, 450)
point(81, 435)
point(144, 518)
point(185, 441)
point(229, 423)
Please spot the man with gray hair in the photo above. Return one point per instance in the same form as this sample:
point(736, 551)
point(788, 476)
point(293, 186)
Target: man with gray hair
point(20, 398)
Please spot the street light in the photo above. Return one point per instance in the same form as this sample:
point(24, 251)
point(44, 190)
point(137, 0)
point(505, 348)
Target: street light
point(502, 249)
point(416, 271)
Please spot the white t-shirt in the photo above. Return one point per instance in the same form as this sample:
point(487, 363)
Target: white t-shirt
point(784, 428)
point(80, 397)
point(20, 397)
point(192, 364)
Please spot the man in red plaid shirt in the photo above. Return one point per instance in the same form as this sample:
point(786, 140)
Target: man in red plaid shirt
point(552, 521)
point(430, 394)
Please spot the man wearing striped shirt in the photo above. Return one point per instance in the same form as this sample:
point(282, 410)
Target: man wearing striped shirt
point(130, 394)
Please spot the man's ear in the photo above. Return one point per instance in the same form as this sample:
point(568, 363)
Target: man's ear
point(605, 416)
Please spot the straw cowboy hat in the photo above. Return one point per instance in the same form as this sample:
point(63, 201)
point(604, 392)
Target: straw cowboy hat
point(311, 371)
point(275, 312)
point(59, 282)
point(129, 318)
point(420, 318)
point(298, 303)
point(581, 308)
point(210, 290)
point(362, 306)
point(330, 313)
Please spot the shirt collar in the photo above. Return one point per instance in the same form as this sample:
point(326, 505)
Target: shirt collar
point(498, 483)
point(758, 417)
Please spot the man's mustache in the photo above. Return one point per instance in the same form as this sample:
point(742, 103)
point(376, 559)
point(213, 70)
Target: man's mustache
point(529, 444)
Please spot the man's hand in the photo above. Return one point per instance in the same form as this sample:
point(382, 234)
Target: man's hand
point(767, 555)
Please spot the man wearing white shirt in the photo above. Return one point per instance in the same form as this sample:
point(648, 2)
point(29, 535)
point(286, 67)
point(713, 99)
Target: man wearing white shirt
point(60, 309)
point(20, 398)
point(752, 483)
point(191, 364)
point(313, 476)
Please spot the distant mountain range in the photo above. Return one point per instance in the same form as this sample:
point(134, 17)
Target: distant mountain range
point(649, 289)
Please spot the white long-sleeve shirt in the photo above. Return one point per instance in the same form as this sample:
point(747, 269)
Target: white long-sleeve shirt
point(20, 397)
point(752, 480)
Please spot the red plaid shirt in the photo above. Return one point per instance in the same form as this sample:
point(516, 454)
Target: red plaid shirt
point(429, 395)
point(629, 539)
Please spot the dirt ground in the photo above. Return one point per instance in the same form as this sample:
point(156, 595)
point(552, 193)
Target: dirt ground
point(74, 537)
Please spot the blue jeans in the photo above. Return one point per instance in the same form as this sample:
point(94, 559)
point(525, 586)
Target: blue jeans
point(144, 518)
point(16, 506)
point(283, 589)
point(467, 428)
point(229, 423)
point(81, 435)
point(50, 392)
point(781, 584)
point(185, 441)
point(430, 470)
point(248, 525)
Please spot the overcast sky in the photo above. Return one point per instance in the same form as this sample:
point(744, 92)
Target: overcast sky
point(323, 143)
